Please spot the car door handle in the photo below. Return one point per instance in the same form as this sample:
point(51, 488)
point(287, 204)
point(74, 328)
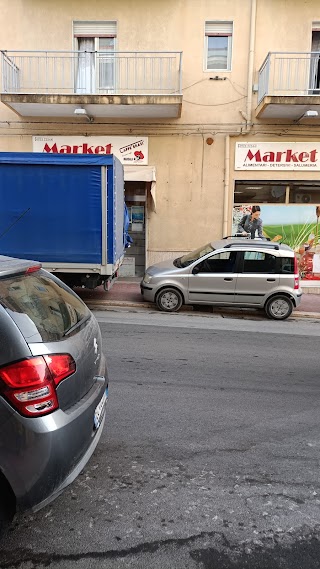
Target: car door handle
point(271, 280)
point(228, 279)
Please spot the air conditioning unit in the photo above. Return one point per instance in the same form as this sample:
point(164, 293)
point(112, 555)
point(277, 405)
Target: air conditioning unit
point(303, 198)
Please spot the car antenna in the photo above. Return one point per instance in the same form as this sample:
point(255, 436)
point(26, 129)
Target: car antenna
point(12, 224)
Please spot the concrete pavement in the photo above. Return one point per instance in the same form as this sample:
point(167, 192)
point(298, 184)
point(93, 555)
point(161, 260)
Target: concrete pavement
point(126, 292)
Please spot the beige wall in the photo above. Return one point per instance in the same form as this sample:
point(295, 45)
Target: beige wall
point(190, 173)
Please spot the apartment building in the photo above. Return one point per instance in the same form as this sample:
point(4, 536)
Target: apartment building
point(211, 105)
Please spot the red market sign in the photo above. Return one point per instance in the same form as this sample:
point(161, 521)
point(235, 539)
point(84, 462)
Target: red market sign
point(129, 149)
point(302, 156)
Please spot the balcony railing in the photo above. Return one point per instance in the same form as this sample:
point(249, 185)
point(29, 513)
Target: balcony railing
point(91, 73)
point(289, 74)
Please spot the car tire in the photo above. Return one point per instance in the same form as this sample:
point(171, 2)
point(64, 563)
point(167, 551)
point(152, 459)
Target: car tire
point(169, 300)
point(279, 307)
point(7, 506)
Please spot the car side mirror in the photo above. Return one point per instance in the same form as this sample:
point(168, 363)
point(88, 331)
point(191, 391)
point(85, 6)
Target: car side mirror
point(196, 270)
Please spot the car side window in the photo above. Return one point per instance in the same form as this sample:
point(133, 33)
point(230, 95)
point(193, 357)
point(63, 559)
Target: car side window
point(223, 262)
point(287, 265)
point(258, 262)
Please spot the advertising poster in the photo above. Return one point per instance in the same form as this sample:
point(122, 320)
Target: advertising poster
point(294, 225)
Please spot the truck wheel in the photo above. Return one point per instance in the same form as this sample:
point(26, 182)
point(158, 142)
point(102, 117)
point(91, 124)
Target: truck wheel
point(279, 307)
point(169, 300)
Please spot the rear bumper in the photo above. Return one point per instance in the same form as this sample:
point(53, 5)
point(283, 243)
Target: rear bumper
point(44, 454)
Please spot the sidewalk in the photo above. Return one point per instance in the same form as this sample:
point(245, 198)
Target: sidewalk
point(126, 292)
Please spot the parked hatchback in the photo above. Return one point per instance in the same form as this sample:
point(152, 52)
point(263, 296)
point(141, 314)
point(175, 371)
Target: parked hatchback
point(231, 272)
point(53, 386)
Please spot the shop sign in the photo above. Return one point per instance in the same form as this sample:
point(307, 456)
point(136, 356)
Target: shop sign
point(299, 156)
point(129, 149)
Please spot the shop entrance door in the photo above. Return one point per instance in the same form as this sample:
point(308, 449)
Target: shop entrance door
point(135, 198)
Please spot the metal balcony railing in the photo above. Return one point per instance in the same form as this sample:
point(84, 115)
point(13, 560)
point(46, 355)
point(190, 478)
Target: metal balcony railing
point(91, 73)
point(294, 74)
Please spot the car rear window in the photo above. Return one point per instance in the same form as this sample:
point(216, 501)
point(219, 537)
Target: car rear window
point(41, 306)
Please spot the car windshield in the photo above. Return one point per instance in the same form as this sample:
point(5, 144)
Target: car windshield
point(186, 260)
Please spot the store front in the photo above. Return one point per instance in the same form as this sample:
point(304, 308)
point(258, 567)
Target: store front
point(139, 188)
point(290, 208)
point(139, 181)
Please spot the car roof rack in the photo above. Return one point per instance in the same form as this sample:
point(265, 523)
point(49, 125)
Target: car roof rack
point(263, 244)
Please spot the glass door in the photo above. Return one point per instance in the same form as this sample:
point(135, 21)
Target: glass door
point(314, 86)
point(85, 66)
point(106, 65)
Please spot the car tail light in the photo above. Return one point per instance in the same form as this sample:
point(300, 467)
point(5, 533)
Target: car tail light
point(296, 273)
point(30, 384)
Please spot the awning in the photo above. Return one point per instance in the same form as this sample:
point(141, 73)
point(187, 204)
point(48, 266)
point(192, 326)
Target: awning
point(142, 174)
point(139, 173)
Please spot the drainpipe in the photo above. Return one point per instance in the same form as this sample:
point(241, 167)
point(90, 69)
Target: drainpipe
point(250, 65)
point(247, 117)
point(226, 186)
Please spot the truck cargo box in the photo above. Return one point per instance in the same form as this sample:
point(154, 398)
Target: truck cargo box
point(66, 211)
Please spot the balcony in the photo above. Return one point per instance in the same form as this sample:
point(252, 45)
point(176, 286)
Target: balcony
point(103, 84)
point(289, 86)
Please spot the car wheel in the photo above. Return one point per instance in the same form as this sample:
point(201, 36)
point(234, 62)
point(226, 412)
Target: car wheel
point(7, 506)
point(169, 300)
point(279, 307)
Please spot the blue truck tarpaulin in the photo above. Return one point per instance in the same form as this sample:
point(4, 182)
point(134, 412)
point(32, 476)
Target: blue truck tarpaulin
point(51, 207)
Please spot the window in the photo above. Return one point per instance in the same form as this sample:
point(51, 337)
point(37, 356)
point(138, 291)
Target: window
point(260, 192)
point(257, 262)
point(315, 59)
point(189, 258)
point(219, 263)
point(95, 44)
point(41, 306)
point(218, 46)
point(287, 265)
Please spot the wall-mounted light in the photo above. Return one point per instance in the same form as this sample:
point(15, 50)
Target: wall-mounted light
point(310, 114)
point(81, 112)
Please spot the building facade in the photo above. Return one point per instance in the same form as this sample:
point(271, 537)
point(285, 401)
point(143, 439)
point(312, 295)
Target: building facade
point(212, 107)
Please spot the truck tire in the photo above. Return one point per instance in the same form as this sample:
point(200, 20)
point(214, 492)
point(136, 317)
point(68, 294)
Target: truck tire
point(169, 300)
point(279, 307)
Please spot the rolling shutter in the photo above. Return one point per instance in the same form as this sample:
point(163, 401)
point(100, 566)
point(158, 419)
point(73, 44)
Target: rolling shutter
point(218, 28)
point(95, 29)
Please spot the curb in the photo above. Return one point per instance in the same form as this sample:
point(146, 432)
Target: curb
point(105, 304)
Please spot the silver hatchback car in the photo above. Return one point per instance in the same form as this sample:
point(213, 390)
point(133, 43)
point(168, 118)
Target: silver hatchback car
point(230, 272)
point(53, 386)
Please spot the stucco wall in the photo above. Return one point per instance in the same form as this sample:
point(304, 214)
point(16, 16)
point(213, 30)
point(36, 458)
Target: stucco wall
point(190, 172)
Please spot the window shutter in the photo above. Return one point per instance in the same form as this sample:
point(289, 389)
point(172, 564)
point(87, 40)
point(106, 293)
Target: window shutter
point(95, 29)
point(218, 28)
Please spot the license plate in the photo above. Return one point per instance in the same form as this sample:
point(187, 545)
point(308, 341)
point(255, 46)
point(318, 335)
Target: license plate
point(100, 410)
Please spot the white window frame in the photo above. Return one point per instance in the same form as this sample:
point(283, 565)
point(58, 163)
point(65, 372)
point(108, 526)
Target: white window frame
point(95, 30)
point(218, 28)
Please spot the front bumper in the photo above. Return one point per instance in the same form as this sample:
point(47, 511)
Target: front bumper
point(147, 291)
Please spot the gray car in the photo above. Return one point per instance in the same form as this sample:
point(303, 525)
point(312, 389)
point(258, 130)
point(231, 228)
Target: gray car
point(230, 272)
point(53, 386)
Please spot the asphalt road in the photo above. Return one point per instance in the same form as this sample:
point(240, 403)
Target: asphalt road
point(210, 458)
